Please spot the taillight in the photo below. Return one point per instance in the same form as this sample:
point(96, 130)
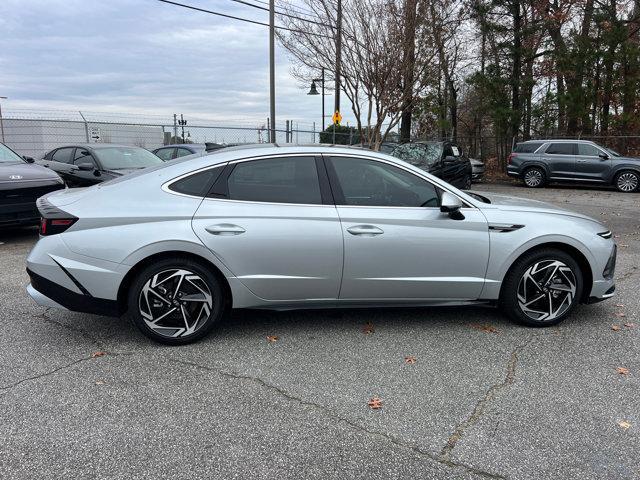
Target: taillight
point(51, 226)
point(510, 157)
point(53, 220)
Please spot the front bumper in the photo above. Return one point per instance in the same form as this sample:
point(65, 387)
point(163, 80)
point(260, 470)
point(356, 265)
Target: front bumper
point(19, 214)
point(512, 171)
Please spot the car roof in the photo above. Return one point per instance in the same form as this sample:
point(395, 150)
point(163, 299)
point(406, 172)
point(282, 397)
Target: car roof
point(557, 140)
point(198, 146)
point(95, 146)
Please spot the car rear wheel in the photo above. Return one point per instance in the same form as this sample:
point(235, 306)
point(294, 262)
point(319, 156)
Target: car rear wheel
point(627, 182)
point(534, 177)
point(176, 301)
point(542, 288)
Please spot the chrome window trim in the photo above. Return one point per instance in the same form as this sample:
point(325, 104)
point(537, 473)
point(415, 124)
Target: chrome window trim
point(165, 186)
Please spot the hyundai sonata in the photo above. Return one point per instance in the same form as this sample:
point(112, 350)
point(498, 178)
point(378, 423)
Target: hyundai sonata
point(174, 247)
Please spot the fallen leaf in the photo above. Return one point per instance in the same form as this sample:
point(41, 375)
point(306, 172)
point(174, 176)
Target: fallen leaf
point(624, 245)
point(629, 325)
point(272, 338)
point(615, 328)
point(410, 359)
point(375, 403)
point(98, 354)
point(624, 424)
point(368, 328)
point(621, 314)
point(619, 305)
point(485, 328)
point(616, 236)
point(622, 371)
point(99, 382)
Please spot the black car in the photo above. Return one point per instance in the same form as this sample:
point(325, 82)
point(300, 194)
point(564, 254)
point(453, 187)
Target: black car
point(21, 183)
point(441, 159)
point(87, 164)
point(170, 152)
point(539, 162)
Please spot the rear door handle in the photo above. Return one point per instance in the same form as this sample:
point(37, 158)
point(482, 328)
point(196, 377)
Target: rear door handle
point(582, 161)
point(225, 229)
point(365, 230)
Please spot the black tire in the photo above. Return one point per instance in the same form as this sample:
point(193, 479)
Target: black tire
point(511, 296)
point(627, 181)
point(534, 177)
point(206, 301)
point(466, 182)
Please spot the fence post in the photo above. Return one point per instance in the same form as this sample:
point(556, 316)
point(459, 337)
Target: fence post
point(86, 126)
point(314, 133)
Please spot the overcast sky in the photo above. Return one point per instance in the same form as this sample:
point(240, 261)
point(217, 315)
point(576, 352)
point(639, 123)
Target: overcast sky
point(143, 56)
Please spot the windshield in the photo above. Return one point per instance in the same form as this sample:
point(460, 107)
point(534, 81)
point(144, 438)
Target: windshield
point(116, 158)
point(421, 155)
point(9, 156)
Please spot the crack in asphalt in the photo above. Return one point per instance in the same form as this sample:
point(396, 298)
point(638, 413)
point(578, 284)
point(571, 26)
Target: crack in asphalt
point(45, 315)
point(394, 440)
point(486, 399)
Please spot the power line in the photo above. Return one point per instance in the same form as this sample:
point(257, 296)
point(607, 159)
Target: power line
point(233, 17)
point(243, 2)
point(296, 9)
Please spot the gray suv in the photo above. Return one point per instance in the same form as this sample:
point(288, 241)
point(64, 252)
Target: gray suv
point(538, 162)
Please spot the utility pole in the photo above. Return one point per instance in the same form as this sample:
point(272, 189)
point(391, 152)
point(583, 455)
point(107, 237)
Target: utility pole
point(182, 123)
point(175, 128)
point(272, 71)
point(338, 53)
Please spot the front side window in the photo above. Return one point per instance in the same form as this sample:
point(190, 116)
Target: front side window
point(587, 150)
point(371, 183)
point(116, 158)
point(561, 149)
point(165, 153)
point(276, 180)
point(83, 156)
point(62, 155)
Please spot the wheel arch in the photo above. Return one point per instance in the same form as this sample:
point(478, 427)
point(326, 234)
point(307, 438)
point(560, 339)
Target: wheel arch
point(143, 263)
point(574, 252)
point(527, 164)
point(619, 169)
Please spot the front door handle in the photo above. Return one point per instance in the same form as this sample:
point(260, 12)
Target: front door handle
point(225, 229)
point(365, 230)
point(582, 161)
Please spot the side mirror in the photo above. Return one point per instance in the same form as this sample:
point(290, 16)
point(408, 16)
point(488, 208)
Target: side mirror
point(449, 159)
point(603, 156)
point(451, 204)
point(28, 159)
point(86, 166)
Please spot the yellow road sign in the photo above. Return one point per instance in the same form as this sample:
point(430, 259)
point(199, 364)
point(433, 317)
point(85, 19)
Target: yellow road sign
point(337, 118)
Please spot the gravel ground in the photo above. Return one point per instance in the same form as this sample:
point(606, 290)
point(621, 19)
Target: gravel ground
point(484, 398)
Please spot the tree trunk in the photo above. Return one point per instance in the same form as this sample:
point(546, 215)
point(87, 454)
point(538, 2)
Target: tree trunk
point(410, 14)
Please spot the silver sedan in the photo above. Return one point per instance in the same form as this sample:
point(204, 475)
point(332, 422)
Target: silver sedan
point(174, 247)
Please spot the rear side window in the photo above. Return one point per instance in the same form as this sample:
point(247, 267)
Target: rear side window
point(165, 153)
point(528, 147)
point(183, 152)
point(197, 184)
point(62, 155)
point(561, 149)
point(276, 180)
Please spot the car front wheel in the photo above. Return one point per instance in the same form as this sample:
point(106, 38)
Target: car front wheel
point(627, 182)
point(542, 288)
point(175, 301)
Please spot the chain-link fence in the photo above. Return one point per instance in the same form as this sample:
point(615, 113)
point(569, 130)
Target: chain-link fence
point(34, 133)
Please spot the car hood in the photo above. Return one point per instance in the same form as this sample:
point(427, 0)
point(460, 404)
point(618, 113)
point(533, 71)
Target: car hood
point(509, 203)
point(476, 163)
point(26, 171)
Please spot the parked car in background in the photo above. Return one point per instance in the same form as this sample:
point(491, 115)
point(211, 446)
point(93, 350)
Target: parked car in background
point(21, 183)
point(477, 169)
point(301, 227)
point(538, 162)
point(442, 159)
point(170, 152)
point(83, 165)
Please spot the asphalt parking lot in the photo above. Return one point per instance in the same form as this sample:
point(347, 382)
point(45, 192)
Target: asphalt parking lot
point(84, 396)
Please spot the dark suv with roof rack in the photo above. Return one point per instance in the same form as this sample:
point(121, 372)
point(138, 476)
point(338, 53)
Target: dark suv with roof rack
point(538, 162)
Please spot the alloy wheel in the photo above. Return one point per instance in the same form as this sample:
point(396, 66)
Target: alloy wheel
point(627, 182)
point(533, 178)
point(175, 303)
point(546, 290)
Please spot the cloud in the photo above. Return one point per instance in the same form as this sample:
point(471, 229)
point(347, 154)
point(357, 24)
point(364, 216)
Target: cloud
point(144, 57)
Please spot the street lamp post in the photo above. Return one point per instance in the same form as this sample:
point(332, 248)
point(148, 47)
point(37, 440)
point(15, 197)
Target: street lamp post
point(314, 91)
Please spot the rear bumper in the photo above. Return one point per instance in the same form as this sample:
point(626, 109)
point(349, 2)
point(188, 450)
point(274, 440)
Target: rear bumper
point(50, 294)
